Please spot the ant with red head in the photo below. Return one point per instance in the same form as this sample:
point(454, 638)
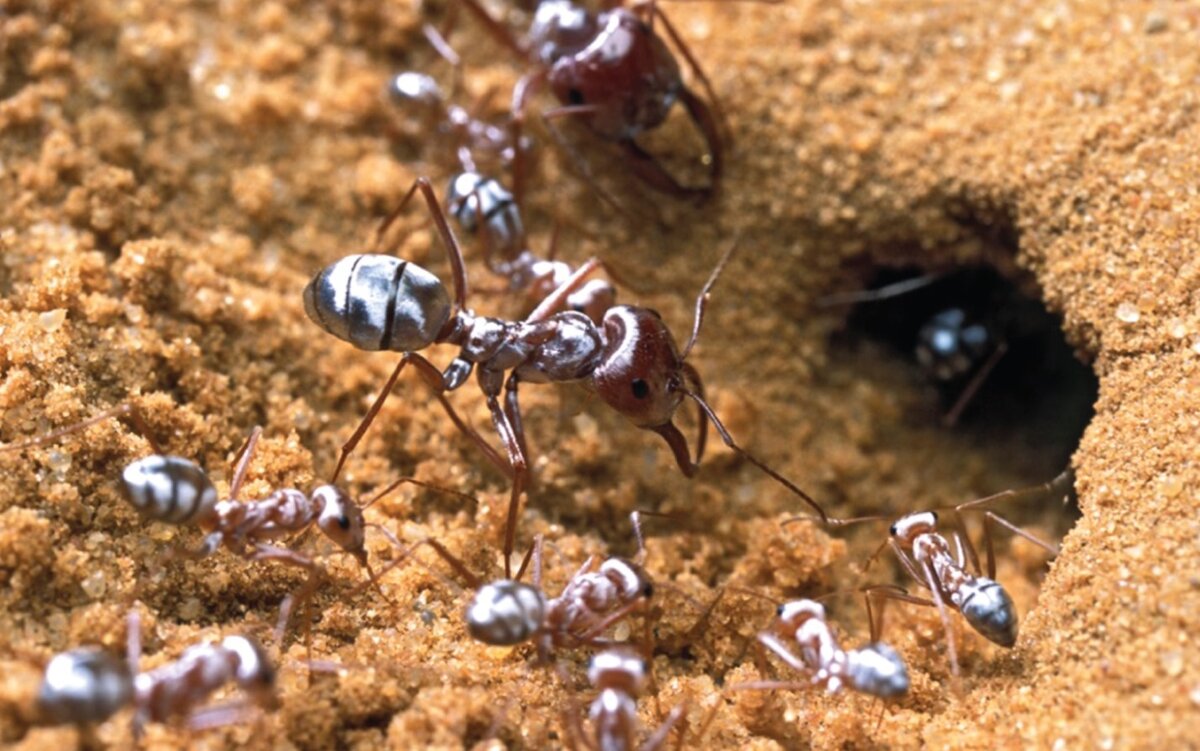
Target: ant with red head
point(951, 573)
point(176, 491)
point(613, 72)
point(631, 361)
point(87, 686)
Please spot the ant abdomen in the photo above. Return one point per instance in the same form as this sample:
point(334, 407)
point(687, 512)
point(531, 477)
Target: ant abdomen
point(878, 670)
point(378, 302)
point(990, 611)
point(951, 345)
point(83, 687)
point(170, 489)
point(505, 613)
point(482, 203)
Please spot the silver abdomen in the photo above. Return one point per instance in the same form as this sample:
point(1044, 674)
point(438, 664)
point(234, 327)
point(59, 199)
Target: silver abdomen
point(83, 686)
point(169, 489)
point(990, 611)
point(480, 204)
point(878, 670)
point(378, 302)
point(505, 612)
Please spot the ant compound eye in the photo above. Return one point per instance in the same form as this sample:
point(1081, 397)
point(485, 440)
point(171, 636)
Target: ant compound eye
point(779, 610)
point(344, 521)
point(641, 389)
point(648, 591)
point(575, 96)
point(892, 530)
point(934, 515)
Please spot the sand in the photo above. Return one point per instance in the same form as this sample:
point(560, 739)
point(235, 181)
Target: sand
point(174, 174)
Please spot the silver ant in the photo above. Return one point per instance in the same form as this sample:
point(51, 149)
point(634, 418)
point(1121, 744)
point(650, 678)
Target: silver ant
point(380, 302)
point(951, 572)
point(876, 669)
point(621, 675)
point(87, 686)
point(485, 208)
point(175, 490)
point(508, 612)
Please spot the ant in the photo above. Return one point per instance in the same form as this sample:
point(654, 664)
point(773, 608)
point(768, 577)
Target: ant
point(486, 208)
point(631, 361)
point(956, 346)
point(87, 686)
point(174, 490)
point(455, 128)
point(618, 76)
point(621, 676)
point(876, 669)
point(507, 612)
point(956, 581)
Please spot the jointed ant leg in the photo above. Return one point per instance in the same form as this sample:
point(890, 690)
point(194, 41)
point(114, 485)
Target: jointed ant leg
point(127, 408)
point(516, 459)
point(247, 453)
point(457, 267)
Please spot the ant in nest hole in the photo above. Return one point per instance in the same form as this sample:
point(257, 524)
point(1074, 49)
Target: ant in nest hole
point(951, 573)
point(87, 686)
point(381, 302)
point(613, 72)
point(174, 490)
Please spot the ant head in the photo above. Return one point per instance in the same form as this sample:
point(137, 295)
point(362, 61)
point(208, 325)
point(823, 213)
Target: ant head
point(792, 614)
point(341, 520)
point(84, 686)
point(378, 302)
point(907, 528)
point(619, 668)
point(629, 578)
point(560, 28)
point(626, 77)
point(641, 373)
point(255, 674)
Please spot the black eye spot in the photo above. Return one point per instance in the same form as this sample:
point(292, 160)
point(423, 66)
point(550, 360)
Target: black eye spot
point(779, 610)
point(344, 521)
point(641, 389)
point(934, 515)
point(892, 530)
point(648, 591)
point(575, 96)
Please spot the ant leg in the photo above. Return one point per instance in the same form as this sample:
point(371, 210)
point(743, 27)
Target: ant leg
point(659, 736)
point(512, 409)
point(497, 30)
point(555, 300)
point(457, 266)
point(127, 408)
point(780, 650)
point(693, 380)
point(649, 170)
point(246, 454)
point(221, 715)
point(133, 639)
point(884, 592)
point(906, 561)
point(585, 173)
point(516, 459)
point(935, 589)
point(434, 379)
point(950, 419)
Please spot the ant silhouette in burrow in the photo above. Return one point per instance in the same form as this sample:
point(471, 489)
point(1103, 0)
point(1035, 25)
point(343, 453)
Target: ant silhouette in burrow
point(380, 302)
point(87, 686)
point(174, 490)
point(485, 208)
point(952, 573)
point(613, 72)
point(875, 669)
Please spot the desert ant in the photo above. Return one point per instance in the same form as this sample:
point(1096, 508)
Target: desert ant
point(956, 580)
point(508, 612)
point(617, 75)
point(485, 208)
point(87, 686)
point(876, 669)
point(621, 676)
point(631, 361)
point(174, 490)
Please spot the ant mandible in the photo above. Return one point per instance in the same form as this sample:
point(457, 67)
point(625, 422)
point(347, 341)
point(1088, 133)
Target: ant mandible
point(631, 361)
point(612, 71)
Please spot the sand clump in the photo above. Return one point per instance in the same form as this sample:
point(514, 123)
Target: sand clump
point(173, 175)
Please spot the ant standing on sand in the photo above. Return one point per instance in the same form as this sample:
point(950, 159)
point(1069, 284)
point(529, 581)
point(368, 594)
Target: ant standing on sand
point(631, 361)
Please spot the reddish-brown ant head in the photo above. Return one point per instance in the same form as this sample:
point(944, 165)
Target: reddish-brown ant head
point(641, 372)
point(626, 77)
point(906, 528)
point(791, 615)
point(342, 521)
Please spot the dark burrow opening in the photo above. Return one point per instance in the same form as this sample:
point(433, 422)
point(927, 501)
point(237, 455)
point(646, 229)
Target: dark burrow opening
point(986, 360)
